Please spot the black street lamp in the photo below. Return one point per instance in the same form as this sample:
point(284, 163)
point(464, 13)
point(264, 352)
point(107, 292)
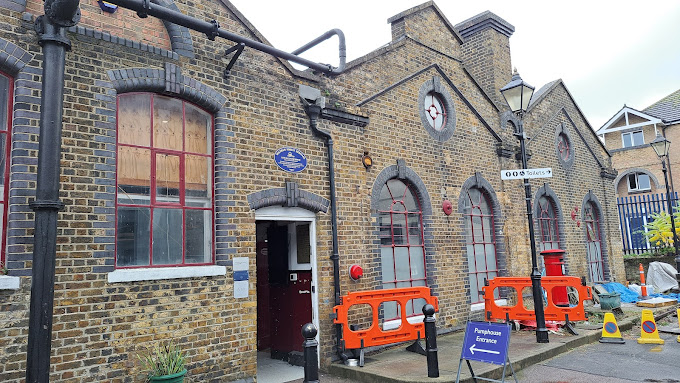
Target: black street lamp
point(518, 94)
point(661, 146)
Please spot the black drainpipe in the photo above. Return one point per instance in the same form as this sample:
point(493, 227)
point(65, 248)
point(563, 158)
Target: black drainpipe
point(51, 28)
point(668, 159)
point(314, 111)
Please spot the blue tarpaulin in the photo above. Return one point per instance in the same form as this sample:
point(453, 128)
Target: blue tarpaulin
point(630, 296)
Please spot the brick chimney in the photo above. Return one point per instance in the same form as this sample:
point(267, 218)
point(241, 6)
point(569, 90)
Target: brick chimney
point(486, 51)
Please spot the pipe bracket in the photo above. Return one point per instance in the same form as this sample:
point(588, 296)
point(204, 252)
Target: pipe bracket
point(238, 48)
point(46, 205)
point(47, 31)
point(144, 11)
point(215, 31)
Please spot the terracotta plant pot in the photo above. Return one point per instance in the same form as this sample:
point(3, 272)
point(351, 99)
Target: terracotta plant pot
point(174, 378)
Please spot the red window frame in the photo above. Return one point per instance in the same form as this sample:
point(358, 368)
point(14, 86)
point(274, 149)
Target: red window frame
point(563, 146)
point(405, 233)
point(8, 148)
point(432, 109)
point(549, 233)
point(476, 210)
point(594, 256)
point(181, 205)
point(392, 212)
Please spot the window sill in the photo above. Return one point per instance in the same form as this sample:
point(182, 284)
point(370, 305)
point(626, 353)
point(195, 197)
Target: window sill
point(9, 283)
point(480, 306)
point(161, 273)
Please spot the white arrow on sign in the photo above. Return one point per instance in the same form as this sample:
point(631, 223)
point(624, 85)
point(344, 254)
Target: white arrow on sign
point(518, 174)
point(473, 349)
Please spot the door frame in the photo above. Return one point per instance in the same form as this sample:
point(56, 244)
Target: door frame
point(296, 214)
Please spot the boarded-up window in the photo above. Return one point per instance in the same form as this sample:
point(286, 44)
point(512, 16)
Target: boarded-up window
point(165, 181)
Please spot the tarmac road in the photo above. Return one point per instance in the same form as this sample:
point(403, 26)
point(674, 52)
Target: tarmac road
point(610, 363)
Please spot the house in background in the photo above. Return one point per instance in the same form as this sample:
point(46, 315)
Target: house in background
point(640, 184)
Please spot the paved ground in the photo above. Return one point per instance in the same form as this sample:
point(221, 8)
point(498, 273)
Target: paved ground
point(399, 366)
point(597, 362)
point(325, 378)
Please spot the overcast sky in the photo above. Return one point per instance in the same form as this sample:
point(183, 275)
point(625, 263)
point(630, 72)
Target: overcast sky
point(608, 53)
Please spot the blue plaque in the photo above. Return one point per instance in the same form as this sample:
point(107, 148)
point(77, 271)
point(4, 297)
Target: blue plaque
point(290, 160)
point(106, 6)
point(486, 342)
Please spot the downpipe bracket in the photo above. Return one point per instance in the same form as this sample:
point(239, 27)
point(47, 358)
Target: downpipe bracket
point(49, 32)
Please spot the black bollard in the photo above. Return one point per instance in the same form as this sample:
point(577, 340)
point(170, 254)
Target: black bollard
point(431, 342)
point(311, 360)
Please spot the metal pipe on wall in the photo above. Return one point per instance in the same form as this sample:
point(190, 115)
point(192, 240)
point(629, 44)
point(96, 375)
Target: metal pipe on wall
point(212, 30)
point(51, 28)
point(314, 111)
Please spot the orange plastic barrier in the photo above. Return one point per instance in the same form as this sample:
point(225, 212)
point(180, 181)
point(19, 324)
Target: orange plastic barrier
point(551, 310)
point(374, 335)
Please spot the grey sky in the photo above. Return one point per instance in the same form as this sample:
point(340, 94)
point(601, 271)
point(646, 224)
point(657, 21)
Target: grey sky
point(609, 53)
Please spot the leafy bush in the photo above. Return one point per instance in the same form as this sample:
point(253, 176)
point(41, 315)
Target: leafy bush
point(659, 232)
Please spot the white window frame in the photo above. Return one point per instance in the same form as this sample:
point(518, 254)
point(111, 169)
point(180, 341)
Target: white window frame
point(632, 142)
point(637, 182)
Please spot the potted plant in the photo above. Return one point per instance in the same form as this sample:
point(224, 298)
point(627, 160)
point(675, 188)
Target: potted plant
point(164, 363)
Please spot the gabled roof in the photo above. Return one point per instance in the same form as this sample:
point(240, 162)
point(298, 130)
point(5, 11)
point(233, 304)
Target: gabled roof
point(546, 89)
point(667, 109)
point(611, 125)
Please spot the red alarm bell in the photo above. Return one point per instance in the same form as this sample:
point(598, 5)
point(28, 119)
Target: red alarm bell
point(356, 272)
point(447, 206)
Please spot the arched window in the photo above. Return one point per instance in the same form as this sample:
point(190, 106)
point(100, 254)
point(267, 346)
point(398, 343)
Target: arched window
point(164, 182)
point(548, 229)
point(402, 247)
point(593, 242)
point(480, 241)
point(6, 91)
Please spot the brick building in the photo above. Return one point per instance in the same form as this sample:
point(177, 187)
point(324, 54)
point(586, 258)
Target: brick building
point(198, 204)
point(627, 136)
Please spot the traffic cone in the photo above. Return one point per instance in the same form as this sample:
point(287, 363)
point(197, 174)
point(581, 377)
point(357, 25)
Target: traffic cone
point(648, 331)
point(643, 286)
point(610, 330)
point(678, 323)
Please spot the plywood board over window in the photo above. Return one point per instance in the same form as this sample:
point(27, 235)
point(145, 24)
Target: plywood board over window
point(165, 170)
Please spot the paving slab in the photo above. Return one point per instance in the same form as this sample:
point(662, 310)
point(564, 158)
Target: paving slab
point(396, 365)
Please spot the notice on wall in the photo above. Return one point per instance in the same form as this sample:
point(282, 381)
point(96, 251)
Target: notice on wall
point(241, 277)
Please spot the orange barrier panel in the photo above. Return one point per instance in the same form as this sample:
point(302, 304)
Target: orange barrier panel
point(551, 310)
point(374, 335)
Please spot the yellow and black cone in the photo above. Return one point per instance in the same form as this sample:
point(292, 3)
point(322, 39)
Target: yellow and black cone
point(678, 323)
point(649, 334)
point(610, 330)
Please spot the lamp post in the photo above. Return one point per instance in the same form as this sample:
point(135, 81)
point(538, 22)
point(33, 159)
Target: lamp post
point(661, 146)
point(517, 94)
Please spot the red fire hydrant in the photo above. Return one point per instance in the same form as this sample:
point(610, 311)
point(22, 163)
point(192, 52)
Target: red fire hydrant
point(554, 266)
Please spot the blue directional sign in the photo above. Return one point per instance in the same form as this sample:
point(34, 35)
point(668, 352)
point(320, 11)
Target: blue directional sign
point(486, 342)
point(291, 160)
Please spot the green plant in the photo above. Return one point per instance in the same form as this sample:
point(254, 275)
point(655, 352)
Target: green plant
point(163, 359)
point(3, 269)
point(659, 232)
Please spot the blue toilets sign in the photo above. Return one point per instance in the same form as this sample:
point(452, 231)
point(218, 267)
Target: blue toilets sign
point(291, 160)
point(486, 342)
